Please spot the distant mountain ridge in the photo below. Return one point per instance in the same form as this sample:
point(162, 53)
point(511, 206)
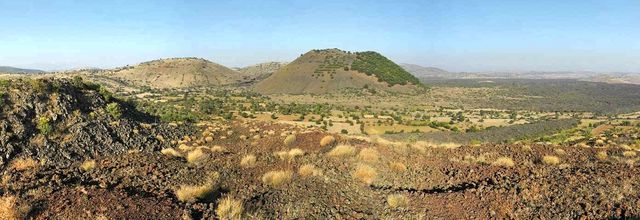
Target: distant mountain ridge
point(9, 69)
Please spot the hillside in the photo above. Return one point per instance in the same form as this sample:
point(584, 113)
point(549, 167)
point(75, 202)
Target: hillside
point(330, 70)
point(426, 72)
point(8, 69)
point(262, 69)
point(178, 73)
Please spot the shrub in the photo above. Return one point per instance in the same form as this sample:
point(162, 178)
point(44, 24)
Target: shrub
point(22, 164)
point(369, 155)
point(365, 174)
point(191, 193)
point(397, 167)
point(229, 208)
point(10, 208)
point(342, 151)
point(88, 165)
point(504, 162)
point(550, 160)
point(309, 170)
point(629, 154)
point(397, 201)
point(295, 152)
point(171, 152)
point(327, 140)
point(289, 140)
point(248, 161)
point(602, 155)
point(277, 178)
point(114, 110)
point(43, 125)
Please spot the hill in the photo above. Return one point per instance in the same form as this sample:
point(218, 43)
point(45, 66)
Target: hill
point(330, 70)
point(262, 69)
point(426, 72)
point(178, 73)
point(8, 69)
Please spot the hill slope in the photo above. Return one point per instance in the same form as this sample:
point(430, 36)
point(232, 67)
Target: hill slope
point(9, 69)
point(329, 70)
point(178, 73)
point(262, 69)
point(421, 71)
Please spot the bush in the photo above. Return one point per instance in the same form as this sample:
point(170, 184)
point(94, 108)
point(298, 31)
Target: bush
point(248, 161)
point(327, 140)
point(372, 63)
point(309, 170)
point(397, 201)
point(229, 208)
point(44, 125)
point(342, 151)
point(189, 193)
point(369, 155)
point(114, 110)
point(365, 174)
point(504, 162)
point(289, 140)
point(277, 178)
point(10, 208)
point(550, 160)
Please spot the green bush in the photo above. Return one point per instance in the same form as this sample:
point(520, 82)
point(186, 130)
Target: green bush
point(372, 63)
point(114, 110)
point(44, 125)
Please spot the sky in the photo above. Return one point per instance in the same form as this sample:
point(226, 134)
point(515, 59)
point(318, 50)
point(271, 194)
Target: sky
point(482, 35)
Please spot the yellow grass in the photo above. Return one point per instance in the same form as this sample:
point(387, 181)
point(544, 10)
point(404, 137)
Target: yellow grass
point(397, 167)
point(309, 170)
point(342, 151)
point(602, 155)
point(550, 160)
point(22, 164)
point(504, 162)
point(327, 140)
point(295, 152)
point(191, 193)
point(560, 151)
point(629, 154)
point(289, 140)
point(88, 165)
point(171, 152)
point(365, 174)
point(397, 201)
point(368, 155)
point(229, 208)
point(10, 209)
point(277, 178)
point(248, 161)
point(196, 156)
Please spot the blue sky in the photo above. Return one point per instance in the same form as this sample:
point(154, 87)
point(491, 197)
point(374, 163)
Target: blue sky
point(483, 35)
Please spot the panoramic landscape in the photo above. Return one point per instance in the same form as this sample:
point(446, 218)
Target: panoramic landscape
point(148, 117)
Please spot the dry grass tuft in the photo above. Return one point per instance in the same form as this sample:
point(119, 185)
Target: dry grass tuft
point(295, 152)
point(602, 155)
point(560, 151)
point(171, 152)
point(277, 178)
point(218, 149)
point(551, 160)
point(22, 164)
point(397, 201)
point(368, 155)
point(289, 140)
point(229, 208)
point(309, 170)
point(342, 151)
point(629, 154)
point(88, 165)
point(188, 193)
point(397, 167)
point(327, 141)
point(365, 173)
point(283, 155)
point(248, 161)
point(196, 156)
point(10, 209)
point(504, 162)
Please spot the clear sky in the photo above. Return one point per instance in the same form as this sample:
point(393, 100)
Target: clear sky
point(482, 35)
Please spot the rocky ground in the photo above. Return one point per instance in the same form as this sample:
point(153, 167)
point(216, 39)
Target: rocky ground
point(138, 169)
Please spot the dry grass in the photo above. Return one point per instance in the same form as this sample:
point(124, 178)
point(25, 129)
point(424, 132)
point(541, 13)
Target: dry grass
point(551, 160)
point(229, 208)
point(88, 165)
point(295, 152)
point(248, 161)
point(189, 193)
point(327, 141)
point(283, 155)
point(629, 154)
point(397, 201)
point(365, 174)
point(342, 151)
point(309, 170)
point(504, 162)
point(277, 178)
point(11, 209)
point(602, 155)
point(196, 156)
point(560, 151)
point(218, 149)
point(368, 155)
point(22, 164)
point(171, 152)
point(289, 140)
point(397, 167)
